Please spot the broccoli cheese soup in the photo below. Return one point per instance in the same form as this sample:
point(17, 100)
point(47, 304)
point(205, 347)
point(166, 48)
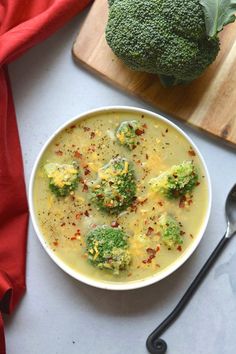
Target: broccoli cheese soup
point(119, 196)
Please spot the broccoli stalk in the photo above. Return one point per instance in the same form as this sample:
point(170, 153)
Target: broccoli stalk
point(63, 179)
point(170, 231)
point(177, 181)
point(107, 248)
point(164, 37)
point(115, 188)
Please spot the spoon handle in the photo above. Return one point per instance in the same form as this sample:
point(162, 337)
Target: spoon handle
point(156, 345)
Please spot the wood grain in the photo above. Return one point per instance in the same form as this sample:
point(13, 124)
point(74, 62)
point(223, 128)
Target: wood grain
point(209, 103)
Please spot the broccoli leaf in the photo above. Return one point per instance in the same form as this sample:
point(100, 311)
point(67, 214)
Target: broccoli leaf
point(218, 13)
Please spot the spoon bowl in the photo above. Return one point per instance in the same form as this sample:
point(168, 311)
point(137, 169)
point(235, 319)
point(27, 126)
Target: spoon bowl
point(230, 212)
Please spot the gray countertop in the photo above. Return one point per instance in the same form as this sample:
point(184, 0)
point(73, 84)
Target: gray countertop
point(59, 315)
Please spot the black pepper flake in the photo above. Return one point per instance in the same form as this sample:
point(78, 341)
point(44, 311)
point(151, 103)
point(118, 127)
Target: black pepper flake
point(86, 213)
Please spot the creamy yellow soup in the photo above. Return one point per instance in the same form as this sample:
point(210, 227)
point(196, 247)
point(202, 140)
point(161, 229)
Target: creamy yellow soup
point(92, 143)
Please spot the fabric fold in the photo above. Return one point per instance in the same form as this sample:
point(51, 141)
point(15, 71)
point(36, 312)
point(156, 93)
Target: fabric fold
point(23, 24)
point(2, 337)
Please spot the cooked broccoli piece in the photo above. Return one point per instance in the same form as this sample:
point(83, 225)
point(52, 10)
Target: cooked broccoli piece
point(177, 181)
point(115, 188)
point(107, 248)
point(63, 179)
point(170, 231)
point(164, 37)
point(128, 133)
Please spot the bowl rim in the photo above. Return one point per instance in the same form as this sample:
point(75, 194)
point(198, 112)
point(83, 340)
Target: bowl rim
point(136, 284)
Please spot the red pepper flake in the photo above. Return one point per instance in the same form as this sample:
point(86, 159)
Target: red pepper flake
point(86, 129)
point(150, 251)
point(144, 126)
point(190, 201)
point(73, 238)
point(77, 233)
point(109, 205)
point(73, 126)
point(149, 231)
point(78, 216)
point(139, 132)
point(86, 213)
point(191, 152)
point(182, 201)
point(86, 171)
point(73, 223)
point(63, 224)
point(149, 260)
point(85, 187)
point(93, 226)
point(114, 223)
point(92, 135)
point(198, 183)
point(179, 248)
point(78, 154)
point(152, 254)
point(55, 243)
point(160, 203)
point(59, 153)
point(73, 145)
point(92, 148)
point(141, 202)
point(158, 248)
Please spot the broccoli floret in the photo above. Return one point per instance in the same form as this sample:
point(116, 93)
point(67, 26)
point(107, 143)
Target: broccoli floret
point(63, 179)
point(170, 231)
point(177, 181)
point(164, 37)
point(107, 248)
point(128, 133)
point(115, 188)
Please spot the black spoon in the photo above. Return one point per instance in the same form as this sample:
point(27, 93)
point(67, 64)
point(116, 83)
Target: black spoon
point(155, 344)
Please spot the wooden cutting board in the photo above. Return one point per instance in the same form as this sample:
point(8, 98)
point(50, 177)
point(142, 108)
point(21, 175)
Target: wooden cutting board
point(209, 103)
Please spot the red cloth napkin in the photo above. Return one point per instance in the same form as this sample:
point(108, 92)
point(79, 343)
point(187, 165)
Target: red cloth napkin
point(23, 23)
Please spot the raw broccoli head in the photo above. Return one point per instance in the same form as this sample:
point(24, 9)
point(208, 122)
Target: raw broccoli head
point(63, 179)
point(107, 248)
point(165, 37)
point(170, 231)
point(115, 188)
point(177, 181)
point(128, 133)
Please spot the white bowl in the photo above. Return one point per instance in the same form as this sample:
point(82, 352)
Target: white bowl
point(123, 285)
